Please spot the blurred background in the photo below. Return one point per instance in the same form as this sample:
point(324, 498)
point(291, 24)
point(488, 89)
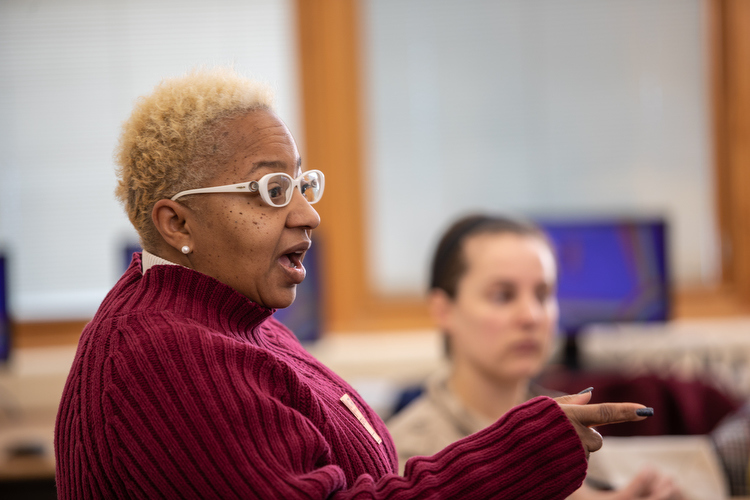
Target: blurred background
point(418, 111)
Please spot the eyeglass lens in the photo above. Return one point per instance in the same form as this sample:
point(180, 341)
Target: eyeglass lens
point(280, 190)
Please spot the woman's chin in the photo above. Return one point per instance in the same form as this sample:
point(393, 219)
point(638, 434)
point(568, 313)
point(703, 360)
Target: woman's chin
point(281, 300)
point(523, 371)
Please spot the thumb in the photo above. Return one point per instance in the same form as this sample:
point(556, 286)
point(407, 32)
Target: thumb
point(641, 485)
point(581, 398)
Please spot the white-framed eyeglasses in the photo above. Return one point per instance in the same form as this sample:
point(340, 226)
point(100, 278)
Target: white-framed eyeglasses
point(276, 189)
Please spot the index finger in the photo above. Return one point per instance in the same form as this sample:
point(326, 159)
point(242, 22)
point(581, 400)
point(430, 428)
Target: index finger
point(608, 413)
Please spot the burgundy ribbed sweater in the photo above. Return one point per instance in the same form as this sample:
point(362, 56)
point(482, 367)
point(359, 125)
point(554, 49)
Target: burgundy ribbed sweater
point(182, 388)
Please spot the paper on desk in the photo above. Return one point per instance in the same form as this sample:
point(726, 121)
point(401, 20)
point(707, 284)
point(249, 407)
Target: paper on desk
point(689, 460)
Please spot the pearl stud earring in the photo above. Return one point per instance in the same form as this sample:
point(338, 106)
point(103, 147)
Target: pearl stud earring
point(186, 249)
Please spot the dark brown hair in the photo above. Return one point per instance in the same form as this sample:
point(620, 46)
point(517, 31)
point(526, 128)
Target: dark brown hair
point(449, 264)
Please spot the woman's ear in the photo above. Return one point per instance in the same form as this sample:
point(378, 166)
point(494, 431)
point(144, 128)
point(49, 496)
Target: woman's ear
point(171, 220)
point(440, 306)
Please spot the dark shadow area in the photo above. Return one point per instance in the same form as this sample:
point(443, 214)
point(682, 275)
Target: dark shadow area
point(28, 489)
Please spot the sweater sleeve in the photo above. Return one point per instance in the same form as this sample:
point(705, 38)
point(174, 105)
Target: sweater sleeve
point(533, 451)
point(184, 426)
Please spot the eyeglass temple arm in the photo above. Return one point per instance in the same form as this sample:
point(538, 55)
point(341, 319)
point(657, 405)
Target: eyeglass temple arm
point(244, 186)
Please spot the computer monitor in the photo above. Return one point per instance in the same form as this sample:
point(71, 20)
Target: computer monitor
point(128, 250)
point(304, 317)
point(5, 327)
point(610, 270)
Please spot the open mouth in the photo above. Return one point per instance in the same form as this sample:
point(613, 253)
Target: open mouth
point(292, 260)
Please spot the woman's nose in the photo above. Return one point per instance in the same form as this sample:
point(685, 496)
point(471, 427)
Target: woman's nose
point(529, 311)
point(302, 214)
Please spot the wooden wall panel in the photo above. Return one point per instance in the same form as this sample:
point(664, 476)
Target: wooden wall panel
point(737, 87)
point(46, 333)
point(730, 25)
point(330, 71)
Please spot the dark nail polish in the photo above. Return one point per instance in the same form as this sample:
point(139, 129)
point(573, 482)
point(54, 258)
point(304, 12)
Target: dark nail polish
point(586, 390)
point(645, 412)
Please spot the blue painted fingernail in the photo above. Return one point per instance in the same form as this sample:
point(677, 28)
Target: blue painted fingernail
point(645, 412)
point(586, 390)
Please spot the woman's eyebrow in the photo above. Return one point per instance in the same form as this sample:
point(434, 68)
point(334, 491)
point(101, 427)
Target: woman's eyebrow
point(276, 165)
point(502, 283)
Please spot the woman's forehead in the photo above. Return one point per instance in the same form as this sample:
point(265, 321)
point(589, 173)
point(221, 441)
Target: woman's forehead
point(495, 255)
point(260, 143)
point(263, 167)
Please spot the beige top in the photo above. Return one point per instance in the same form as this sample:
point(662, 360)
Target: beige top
point(436, 419)
point(149, 259)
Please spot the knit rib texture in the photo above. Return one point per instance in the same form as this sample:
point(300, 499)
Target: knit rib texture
point(183, 388)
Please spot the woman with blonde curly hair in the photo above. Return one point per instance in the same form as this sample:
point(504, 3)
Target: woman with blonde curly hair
point(184, 386)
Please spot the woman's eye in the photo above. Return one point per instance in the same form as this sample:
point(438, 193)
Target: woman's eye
point(543, 294)
point(313, 184)
point(275, 192)
point(502, 296)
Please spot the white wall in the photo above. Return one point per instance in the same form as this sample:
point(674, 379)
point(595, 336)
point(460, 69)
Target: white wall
point(69, 74)
point(535, 107)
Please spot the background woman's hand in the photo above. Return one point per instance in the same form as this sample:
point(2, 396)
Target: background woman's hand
point(584, 417)
point(648, 484)
point(651, 485)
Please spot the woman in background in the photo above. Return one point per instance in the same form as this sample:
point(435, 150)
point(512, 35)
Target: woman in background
point(492, 293)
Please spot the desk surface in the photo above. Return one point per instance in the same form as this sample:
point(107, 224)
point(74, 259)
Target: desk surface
point(26, 446)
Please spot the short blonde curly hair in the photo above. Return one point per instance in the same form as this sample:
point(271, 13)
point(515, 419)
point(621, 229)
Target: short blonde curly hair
point(172, 137)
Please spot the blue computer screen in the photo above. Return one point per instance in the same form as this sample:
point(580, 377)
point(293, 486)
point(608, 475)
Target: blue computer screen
point(4, 314)
point(127, 254)
point(610, 271)
point(303, 317)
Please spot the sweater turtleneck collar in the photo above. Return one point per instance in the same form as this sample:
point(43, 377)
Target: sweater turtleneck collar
point(195, 295)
